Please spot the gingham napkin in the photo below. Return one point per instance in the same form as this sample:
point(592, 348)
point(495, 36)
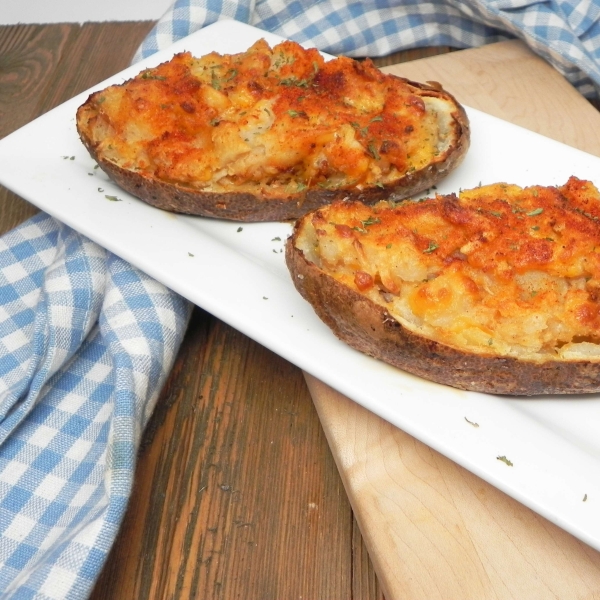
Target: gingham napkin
point(86, 342)
point(564, 32)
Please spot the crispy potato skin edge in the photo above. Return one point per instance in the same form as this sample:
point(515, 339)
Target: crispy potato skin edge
point(367, 327)
point(239, 206)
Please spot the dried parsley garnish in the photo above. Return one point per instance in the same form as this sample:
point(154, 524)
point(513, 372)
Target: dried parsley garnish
point(431, 248)
point(534, 213)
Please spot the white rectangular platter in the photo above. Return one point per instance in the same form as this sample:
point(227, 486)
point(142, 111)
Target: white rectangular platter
point(237, 272)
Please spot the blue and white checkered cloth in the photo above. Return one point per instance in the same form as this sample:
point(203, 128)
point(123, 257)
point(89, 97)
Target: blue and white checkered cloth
point(86, 340)
point(564, 32)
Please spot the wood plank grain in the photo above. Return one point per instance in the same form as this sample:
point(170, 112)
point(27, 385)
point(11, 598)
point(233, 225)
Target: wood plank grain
point(41, 66)
point(237, 494)
point(434, 530)
point(28, 57)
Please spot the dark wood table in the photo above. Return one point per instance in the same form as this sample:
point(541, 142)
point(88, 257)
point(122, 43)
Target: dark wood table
point(236, 492)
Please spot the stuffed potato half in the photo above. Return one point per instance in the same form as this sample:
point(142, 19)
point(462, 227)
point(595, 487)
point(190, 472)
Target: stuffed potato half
point(271, 133)
point(496, 290)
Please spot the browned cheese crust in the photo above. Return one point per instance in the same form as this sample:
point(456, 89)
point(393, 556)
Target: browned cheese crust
point(496, 291)
point(271, 133)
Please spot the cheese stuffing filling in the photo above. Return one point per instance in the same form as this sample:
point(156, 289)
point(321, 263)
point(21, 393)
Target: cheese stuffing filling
point(499, 269)
point(269, 120)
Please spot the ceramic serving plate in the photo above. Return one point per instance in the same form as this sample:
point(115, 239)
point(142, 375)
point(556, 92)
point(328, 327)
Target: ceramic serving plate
point(544, 452)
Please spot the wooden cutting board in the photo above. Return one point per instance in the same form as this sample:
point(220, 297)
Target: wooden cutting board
point(433, 529)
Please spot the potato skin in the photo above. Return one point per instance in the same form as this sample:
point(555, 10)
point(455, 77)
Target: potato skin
point(253, 207)
point(369, 328)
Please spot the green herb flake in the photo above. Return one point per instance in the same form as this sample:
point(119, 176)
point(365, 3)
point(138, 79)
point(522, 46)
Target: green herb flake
point(585, 498)
point(388, 246)
point(372, 150)
point(100, 190)
point(214, 82)
point(586, 214)
point(504, 460)
point(292, 81)
point(190, 254)
point(112, 198)
point(150, 75)
point(370, 221)
point(276, 239)
point(534, 213)
point(431, 248)
point(472, 423)
point(239, 229)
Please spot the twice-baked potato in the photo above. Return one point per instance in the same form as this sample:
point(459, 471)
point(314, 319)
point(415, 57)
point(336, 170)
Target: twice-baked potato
point(271, 133)
point(495, 290)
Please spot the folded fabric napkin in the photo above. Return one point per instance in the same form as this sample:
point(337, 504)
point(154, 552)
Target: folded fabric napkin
point(565, 32)
point(86, 340)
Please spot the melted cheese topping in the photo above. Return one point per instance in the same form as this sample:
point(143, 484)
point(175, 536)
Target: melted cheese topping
point(499, 270)
point(278, 120)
